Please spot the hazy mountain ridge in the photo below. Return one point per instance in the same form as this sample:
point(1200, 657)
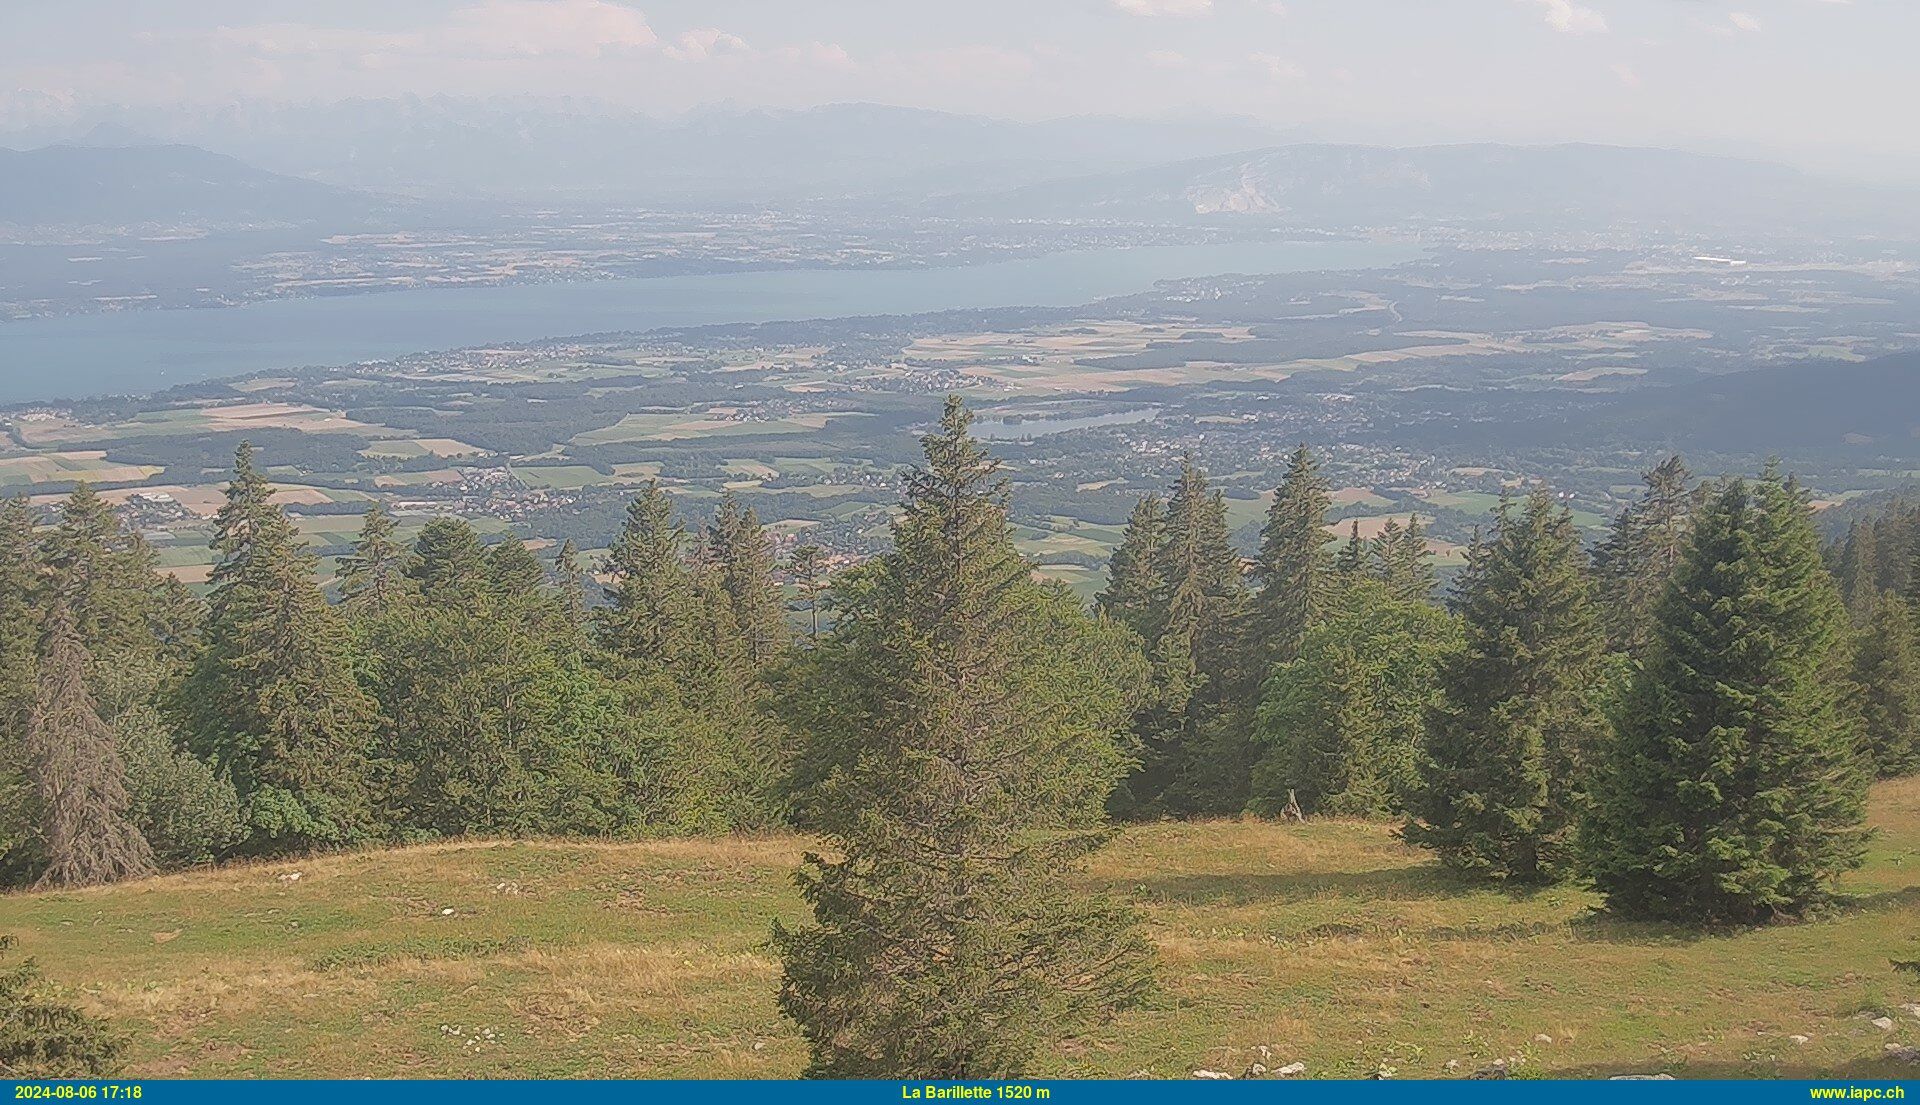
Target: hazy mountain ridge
point(535, 150)
point(123, 185)
point(1483, 186)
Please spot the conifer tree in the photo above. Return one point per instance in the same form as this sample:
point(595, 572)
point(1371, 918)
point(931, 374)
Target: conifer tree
point(1341, 724)
point(1912, 588)
point(1136, 593)
point(1857, 568)
point(273, 700)
point(1735, 789)
point(376, 572)
point(448, 559)
point(78, 774)
point(652, 618)
point(248, 508)
point(1519, 710)
point(1351, 562)
point(570, 576)
point(22, 603)
point(1194, 734)
point(970, 731)
point(808, 566)
point(743, 555)
point(127, 620)
point(1641, 553)
point(1294, 565)
point(1887, 670)
point(1402, 561)
point(512, 571)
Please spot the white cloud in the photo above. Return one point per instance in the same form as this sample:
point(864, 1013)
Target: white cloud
point(1165, 7)
point(1570, 18)
point(1166, 59)
point(704, 43)
point(542, 28)
point(1626, 74)
point(1744, 21)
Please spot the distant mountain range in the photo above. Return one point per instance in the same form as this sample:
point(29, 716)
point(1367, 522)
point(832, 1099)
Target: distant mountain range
point(318, 164)
point(143, 185)
point(1562, 187)
point(494, 149)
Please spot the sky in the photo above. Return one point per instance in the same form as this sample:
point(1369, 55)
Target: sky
point(1828, 84)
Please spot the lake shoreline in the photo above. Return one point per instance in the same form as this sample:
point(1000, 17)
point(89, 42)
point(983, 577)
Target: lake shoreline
point(140, 352)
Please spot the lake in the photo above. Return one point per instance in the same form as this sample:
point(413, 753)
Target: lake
point(139, 351)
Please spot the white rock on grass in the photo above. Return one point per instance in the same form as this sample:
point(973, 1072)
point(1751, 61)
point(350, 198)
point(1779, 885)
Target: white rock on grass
point(1884, 1024)
point(1291, 1070)
point(1803, 1041)
point(1213, 1075)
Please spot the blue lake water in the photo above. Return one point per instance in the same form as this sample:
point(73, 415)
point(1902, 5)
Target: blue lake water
point(140, 351)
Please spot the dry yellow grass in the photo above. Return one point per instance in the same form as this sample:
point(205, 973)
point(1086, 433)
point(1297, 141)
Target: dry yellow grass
point(1328, 943)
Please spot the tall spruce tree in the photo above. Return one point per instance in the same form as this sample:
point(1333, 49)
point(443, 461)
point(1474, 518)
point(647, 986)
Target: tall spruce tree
point(808, 568)
point(1135, 593)
point(570, 576)
point(273, 700)
point(970, 728)
point(376, 572)
point(653, 618)
point(1641, 553)
point(1351, 561)
point(1857, 568)
point(78, 774)
point(1887, 670)
point(1402, 561)
point(22, 604)
point(1735, 789)
point(135, 627)
point(1194, 734)
point(742, 553)
point(1294, 565)
point(1519, 709)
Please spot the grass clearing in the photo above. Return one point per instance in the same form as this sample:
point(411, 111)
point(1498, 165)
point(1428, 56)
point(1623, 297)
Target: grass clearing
point(1328, 943)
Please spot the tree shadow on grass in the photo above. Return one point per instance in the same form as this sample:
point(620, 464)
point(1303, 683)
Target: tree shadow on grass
point(1599, 925)
point(1420, 882)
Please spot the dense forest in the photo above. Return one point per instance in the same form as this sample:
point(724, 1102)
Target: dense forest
point(1685, 717)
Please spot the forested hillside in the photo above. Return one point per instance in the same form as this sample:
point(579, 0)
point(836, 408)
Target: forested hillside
point(1685, 719)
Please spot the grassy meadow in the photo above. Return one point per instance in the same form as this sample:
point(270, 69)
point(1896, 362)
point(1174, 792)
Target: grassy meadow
point(1329, 944)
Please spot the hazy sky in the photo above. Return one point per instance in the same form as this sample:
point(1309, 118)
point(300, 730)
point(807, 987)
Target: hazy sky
point(1820, 81)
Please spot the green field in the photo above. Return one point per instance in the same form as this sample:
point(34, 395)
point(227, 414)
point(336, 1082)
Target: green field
point(1329, 944)
point(561, 477)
